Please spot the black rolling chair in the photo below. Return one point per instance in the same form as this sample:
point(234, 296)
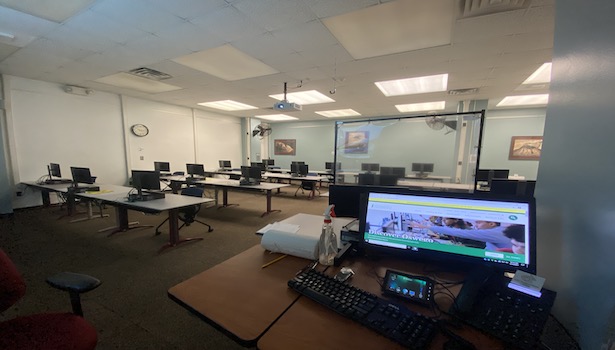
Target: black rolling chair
point(188, 214)
point(310, 186)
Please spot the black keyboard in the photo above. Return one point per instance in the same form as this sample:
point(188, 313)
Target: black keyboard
point(391, 320)
point(514, 317)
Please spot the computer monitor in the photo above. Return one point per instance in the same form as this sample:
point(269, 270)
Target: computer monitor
point(512, 187)
point(421, 169)
point(398, 171)
point(54, 170)
point(446, 227)
point(303, 169)
point(268, 163)
point(162, 166)
point(251, 174)
point(329, 166)
point(146, 180)
point(486, 175)
point(81, 175)
point(258, 165)
point(195, 169)
point(224, 164)
point(370, 167)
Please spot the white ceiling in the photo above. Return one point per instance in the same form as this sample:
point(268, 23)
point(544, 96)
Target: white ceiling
point(491, 45)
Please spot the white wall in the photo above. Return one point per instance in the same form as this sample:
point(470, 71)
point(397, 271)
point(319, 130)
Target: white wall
point(46, 124)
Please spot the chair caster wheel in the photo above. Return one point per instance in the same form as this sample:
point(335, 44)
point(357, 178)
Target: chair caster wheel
point(211, 229)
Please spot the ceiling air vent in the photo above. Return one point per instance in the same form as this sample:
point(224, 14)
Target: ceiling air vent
point(463, 91)
point(474, 8)
point(149, 73)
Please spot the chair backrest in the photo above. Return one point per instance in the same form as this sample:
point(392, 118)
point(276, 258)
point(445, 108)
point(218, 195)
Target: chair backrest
point(192, 191)
point(12, 286)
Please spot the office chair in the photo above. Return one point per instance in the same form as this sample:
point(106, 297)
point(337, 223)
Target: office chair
point(46, 330)
point(310, 186)
point(188, 214)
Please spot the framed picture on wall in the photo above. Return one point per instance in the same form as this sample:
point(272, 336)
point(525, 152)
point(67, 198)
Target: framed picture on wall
point(284, 147)
point(356, 142)
point(525, 148)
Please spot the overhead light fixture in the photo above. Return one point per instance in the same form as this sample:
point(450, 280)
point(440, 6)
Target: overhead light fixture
point(337, 113)
point(227, 105)
point(226, 62)
point(275, 117)
point(424, 106)
point(524, 100)
point(78, 90)
point(304, 97)
point(541, 75)
point(410, 86)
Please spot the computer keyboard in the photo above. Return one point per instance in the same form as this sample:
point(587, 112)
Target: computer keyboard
point(391, 320)
point(514, 317)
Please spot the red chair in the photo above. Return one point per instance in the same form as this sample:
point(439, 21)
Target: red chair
point(49, 330)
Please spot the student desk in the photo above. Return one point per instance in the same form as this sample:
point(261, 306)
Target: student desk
point(46, 189)
point(117, 197)
point(226, 184)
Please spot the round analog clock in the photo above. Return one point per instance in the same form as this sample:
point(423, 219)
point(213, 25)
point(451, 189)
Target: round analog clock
point(139, 130)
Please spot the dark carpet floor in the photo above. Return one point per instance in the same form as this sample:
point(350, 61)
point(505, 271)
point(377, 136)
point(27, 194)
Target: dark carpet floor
point(131, 309)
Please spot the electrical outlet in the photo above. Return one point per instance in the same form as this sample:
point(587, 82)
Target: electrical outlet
point(19, 193)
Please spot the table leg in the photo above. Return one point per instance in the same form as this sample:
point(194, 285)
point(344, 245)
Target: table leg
point(269, 210)
point(174, 238)
point(121, 218)
point(91, 214)
point(225, 199)
point(45, 198)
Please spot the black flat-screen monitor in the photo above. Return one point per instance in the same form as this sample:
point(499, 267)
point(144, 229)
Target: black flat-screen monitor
point(146, 180)
point(195, 170)
point(370, 167)
point(245, 172)
point(81, 175)
point(257, 165)
point(268, 163)
point(54, 170)
point(162, 166)
point(398, 171)
point(251, 174)
point(297, 162)
point(299, 169)
point(224, 164)
point(329, 166)
point(422, 169)
point(512, 187)
point(446, 227)
point(486, 175)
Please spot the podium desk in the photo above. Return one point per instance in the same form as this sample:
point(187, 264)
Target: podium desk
point(238, 296)
point(255, 306)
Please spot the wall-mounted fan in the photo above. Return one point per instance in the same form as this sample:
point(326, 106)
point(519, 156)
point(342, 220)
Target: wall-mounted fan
point(435, 122)
point(261, 130)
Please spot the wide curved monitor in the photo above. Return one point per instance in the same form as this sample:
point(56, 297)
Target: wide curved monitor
point(480, 230)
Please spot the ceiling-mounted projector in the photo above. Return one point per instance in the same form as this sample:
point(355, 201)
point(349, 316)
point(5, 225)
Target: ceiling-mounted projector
point(286, 106)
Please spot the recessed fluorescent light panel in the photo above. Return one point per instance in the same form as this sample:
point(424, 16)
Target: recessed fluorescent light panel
point(410, 86)
point(57, 11)
point(226, 62)
point(541, 75)
point(227, 105)
point(275, 117)
point(425, 106)
point(395, 26)
point(304, 97)
point(337, 113)
point(129, 81)
point(524, 100)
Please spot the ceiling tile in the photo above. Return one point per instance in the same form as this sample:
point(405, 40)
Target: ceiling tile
point(276, 14)
point(138, 14)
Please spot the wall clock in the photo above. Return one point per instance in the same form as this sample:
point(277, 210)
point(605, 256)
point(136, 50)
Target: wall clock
point(139, 130)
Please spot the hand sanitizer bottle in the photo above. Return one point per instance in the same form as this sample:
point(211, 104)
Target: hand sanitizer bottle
point(327, 246)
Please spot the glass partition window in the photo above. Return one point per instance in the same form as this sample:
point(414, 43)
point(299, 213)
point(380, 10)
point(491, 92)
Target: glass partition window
point(432, 148)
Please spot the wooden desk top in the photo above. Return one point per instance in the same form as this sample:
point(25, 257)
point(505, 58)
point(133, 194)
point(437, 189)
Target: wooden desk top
point(308, 325)
point(240, 296)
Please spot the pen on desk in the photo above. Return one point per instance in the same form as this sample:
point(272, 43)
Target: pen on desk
point(273, 261)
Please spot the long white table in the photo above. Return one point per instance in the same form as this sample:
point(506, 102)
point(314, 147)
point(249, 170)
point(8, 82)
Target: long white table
point(117, 196)
point(226, 184)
